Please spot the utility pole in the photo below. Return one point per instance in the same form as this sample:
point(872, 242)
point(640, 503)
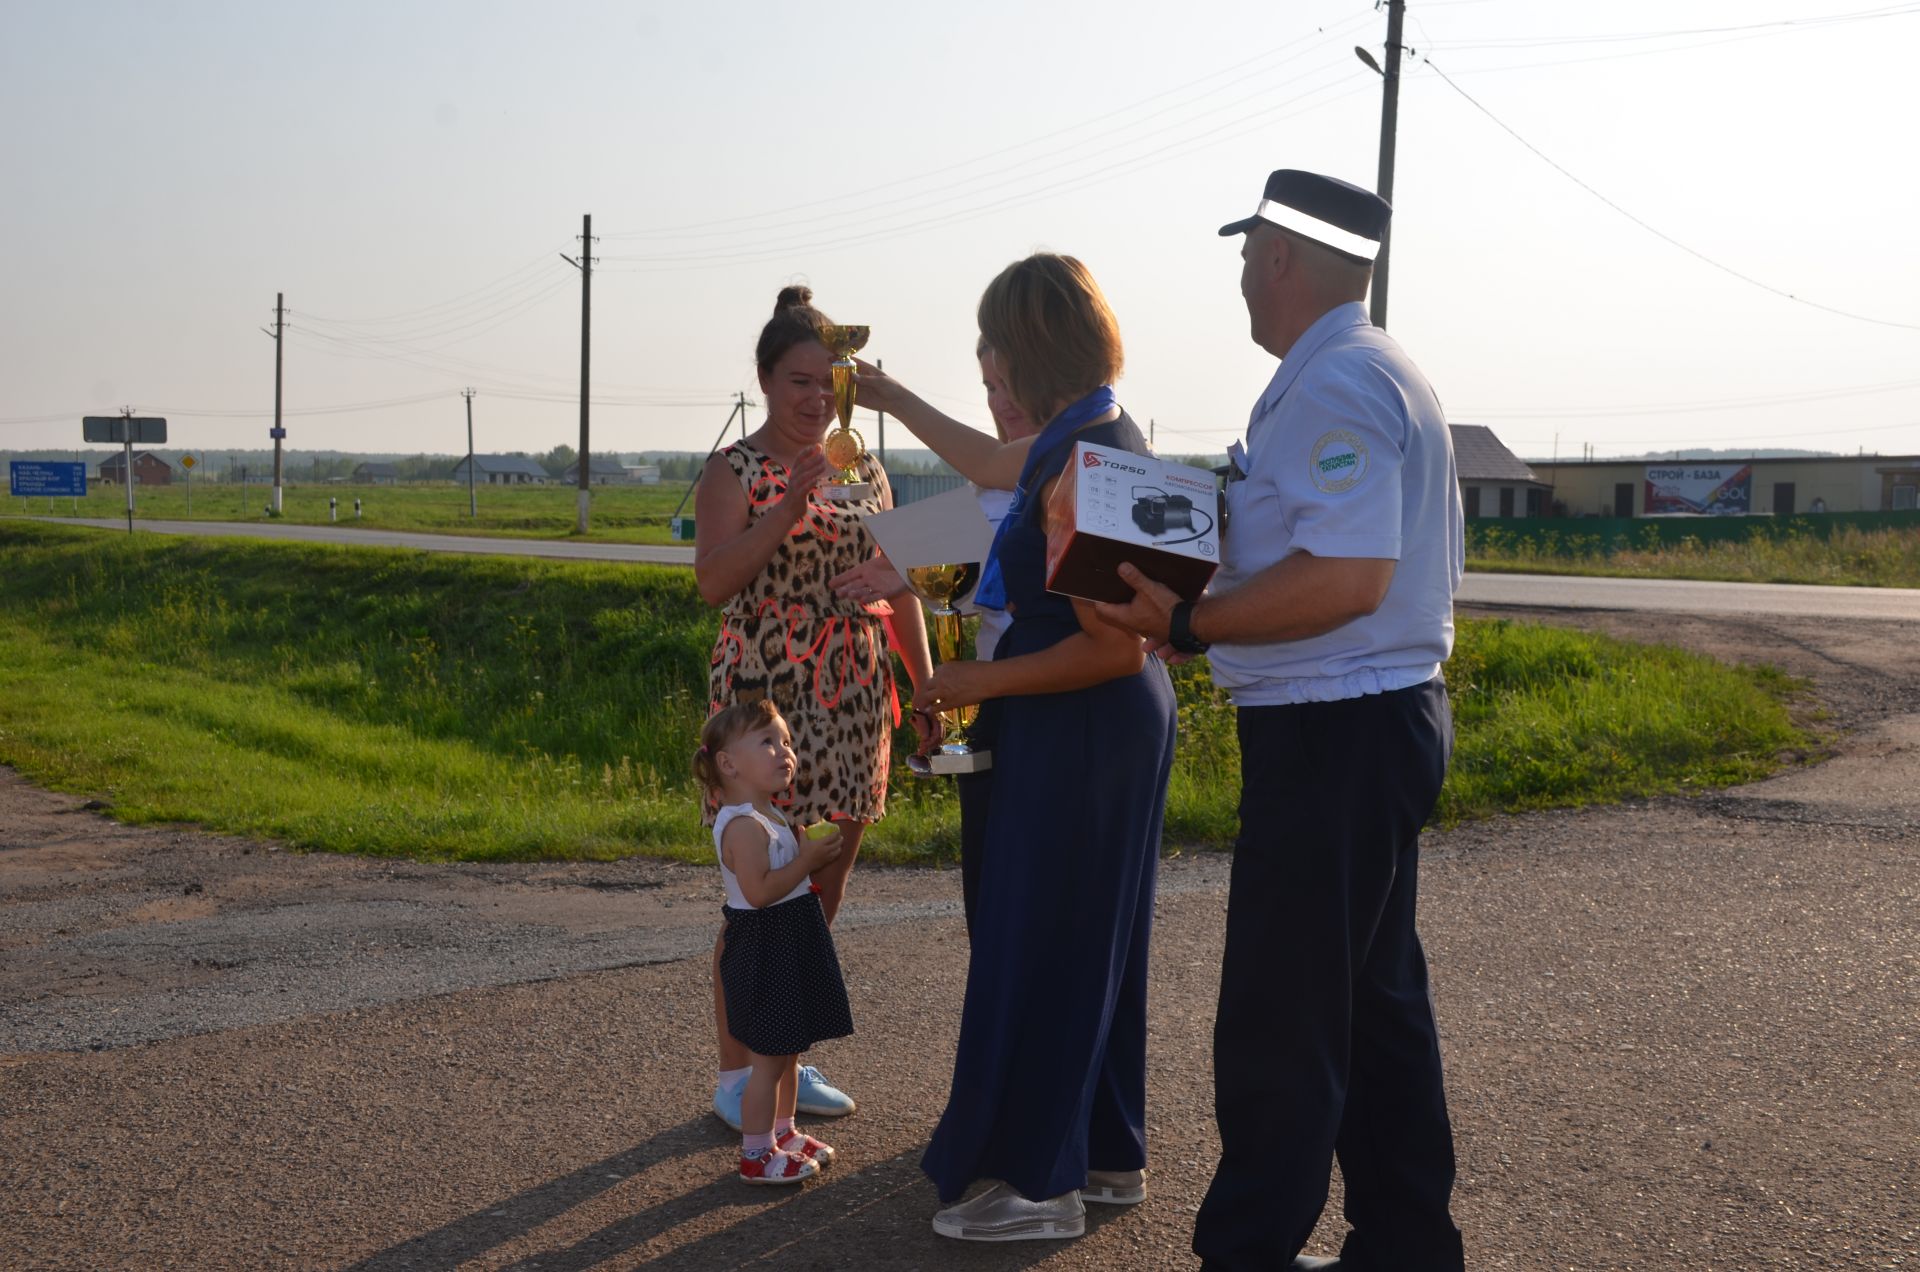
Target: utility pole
point(882, 365)
point(279, 433)
point(1389, 117)
point(279, 429)
point(473, 508)
point(585, 266)
point(740, 409)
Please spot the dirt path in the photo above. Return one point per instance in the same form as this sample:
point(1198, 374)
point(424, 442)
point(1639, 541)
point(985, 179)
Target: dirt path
point(1677, 1034)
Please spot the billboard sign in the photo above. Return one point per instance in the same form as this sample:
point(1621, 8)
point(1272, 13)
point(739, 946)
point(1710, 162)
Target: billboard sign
point(1706, 489)
point(27, 478)
point(138, 429)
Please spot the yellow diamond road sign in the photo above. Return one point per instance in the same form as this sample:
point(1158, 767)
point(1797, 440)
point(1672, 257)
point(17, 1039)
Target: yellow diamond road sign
point(186, 461)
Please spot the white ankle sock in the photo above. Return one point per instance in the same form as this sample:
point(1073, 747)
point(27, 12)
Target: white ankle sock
point(782, 1127)
point(731, 1080)
point(754, 1145)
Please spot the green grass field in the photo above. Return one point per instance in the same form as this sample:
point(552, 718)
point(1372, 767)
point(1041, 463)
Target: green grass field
point(390, 702)
point(620, 514)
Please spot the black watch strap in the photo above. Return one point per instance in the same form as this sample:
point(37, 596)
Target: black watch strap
point(1180, 630)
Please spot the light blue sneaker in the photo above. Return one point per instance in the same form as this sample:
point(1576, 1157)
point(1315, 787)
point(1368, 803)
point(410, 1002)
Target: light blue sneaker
point(815, 1096)
point(726, 1104)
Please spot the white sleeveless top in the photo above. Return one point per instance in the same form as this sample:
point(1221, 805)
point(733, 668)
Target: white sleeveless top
point(782, 848)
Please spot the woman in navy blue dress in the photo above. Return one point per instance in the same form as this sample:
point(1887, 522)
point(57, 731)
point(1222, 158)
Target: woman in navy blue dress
point(1049, 1083)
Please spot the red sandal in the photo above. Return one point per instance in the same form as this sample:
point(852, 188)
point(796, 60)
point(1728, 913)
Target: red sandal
point(805, 1145)
point(776, 1166)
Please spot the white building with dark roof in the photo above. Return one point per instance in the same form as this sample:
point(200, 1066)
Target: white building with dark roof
point(502, 470)
point(1494, 482)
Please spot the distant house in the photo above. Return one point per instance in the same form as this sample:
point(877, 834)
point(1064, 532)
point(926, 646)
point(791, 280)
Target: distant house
point(371, 474)
point(603, 472)
point(148, 470)
point(1494, 482)
point(644, 474)
point(502, 470)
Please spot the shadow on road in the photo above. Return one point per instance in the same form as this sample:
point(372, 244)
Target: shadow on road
point(841, 1212)
point(506, 1221)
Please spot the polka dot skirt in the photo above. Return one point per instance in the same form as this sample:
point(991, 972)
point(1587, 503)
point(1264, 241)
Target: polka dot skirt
point(782, 978)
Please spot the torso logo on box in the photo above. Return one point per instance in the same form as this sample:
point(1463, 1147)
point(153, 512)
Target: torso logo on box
point(1093, 459)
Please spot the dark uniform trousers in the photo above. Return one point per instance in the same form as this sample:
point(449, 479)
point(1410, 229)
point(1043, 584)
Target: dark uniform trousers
point(1325, 1041)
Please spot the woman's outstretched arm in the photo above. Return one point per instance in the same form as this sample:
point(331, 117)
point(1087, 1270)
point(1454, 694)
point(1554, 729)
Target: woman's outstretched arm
point(980, 457)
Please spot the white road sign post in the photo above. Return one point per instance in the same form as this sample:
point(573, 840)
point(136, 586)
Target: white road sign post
point(125, 428)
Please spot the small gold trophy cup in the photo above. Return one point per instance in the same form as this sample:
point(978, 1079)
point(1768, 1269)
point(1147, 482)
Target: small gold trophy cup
point(941, 586)
point(843, 446)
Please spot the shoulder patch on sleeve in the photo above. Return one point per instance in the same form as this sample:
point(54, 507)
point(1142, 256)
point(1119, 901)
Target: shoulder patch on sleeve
point(1338, 462)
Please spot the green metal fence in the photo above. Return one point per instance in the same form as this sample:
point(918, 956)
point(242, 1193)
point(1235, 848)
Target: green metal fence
point(1580, 536)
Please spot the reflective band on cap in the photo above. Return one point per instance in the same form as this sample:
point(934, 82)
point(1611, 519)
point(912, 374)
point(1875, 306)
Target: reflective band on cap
point(1319, 231)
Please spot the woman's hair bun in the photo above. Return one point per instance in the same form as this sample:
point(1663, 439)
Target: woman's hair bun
point(791, 296)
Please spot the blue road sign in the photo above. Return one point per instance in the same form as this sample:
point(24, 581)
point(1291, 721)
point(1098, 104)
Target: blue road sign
point(276, 432)
point(30, 478)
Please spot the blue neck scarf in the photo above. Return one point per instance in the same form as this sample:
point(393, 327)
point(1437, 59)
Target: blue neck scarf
point(1055, 438)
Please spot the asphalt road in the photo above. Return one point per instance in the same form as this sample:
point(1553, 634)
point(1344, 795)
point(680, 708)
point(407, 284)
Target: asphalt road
point(472, 545)
point(1543, 591)
point(1678, 1033)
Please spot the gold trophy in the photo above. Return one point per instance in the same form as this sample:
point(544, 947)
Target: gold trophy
point(843, 446)
point(941, 586)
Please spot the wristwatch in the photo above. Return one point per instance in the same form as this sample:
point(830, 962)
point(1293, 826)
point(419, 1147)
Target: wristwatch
point(1180, 630)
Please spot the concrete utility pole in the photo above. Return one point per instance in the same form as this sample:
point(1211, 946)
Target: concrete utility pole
point(585, 266)
point(1389, 117)
point(279, 433)
point(473, 507)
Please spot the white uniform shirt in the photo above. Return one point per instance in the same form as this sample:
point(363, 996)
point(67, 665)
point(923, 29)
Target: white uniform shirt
point(1348, 455)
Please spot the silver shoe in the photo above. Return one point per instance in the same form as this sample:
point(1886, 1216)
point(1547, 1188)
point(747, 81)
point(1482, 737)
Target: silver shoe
point(1115, 1187)
point(1001, 1214)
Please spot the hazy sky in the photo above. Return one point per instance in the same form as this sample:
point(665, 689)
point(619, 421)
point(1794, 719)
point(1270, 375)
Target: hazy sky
point(408, 173)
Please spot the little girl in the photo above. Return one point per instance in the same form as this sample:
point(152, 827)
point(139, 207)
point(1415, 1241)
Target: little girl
point(778, 968)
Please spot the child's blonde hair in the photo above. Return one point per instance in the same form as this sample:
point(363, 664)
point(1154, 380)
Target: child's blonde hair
point(720, 731)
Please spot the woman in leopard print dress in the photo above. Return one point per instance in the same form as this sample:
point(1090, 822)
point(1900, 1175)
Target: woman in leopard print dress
point(766, 542)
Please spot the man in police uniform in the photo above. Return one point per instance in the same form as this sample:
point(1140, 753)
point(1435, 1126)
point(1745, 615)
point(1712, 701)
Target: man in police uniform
point(1328, 624)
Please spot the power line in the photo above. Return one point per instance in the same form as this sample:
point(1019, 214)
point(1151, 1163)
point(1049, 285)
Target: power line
point(1807, 23)
point(1664, 443)
point(1685, 408)
point(1657, 233)
point(487, 373)
point(704, 228)
point(259, 412)
point(800, 243)
point(502, 311)
point(1178, 149)
point(1616, 57)
point(457, 301)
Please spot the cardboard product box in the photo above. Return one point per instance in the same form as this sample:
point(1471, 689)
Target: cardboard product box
point(1111, 506)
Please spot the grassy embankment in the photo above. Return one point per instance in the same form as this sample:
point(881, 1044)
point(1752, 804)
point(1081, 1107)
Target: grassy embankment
point(1846, 556)
point(621, 514)
point(387, 702)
